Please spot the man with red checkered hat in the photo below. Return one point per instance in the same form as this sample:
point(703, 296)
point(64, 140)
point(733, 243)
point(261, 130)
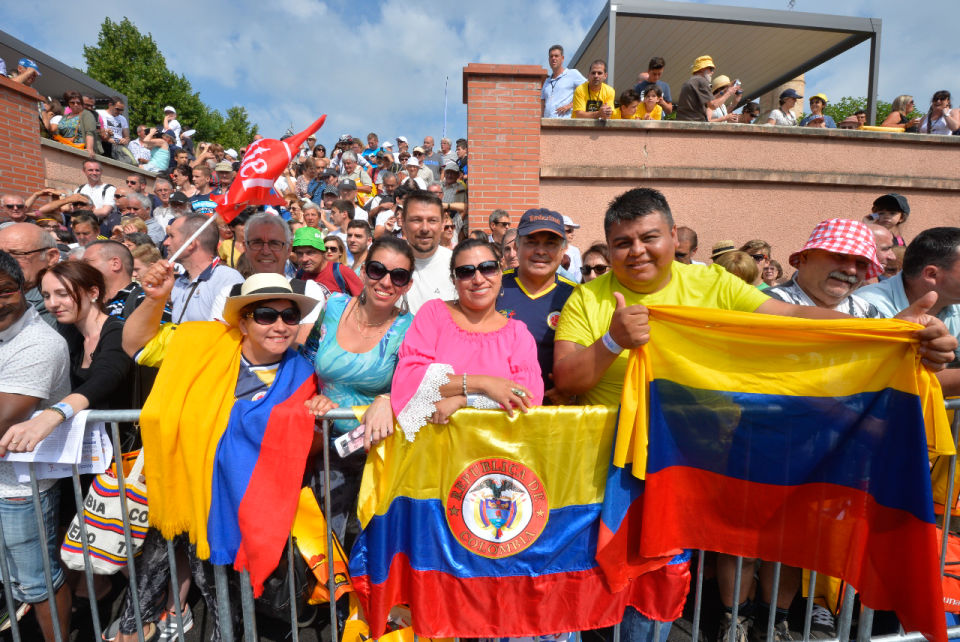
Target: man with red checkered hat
point(837, 258)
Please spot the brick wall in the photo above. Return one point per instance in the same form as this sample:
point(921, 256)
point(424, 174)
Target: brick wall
point(503, 134)
point(21, 170)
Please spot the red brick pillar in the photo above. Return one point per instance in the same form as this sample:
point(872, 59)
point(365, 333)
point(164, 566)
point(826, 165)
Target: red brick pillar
point(21, 169)
point(503, 134)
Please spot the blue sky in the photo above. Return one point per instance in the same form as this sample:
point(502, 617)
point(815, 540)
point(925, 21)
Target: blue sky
point(381, 66)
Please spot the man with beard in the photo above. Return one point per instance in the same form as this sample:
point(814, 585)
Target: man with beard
point(422, 224)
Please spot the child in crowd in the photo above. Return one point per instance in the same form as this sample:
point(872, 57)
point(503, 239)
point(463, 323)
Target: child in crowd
point(629, 101)
point(649, 109)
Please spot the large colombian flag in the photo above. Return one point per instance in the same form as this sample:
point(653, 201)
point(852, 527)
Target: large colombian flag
point(798, 441)
point(487, 527)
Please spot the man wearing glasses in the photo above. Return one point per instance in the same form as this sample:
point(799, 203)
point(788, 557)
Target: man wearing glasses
point(34, 249)
point(13, 209)
point(499, 224)
point(267, 241)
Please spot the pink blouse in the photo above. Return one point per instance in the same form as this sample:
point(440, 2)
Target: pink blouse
point(435, 349)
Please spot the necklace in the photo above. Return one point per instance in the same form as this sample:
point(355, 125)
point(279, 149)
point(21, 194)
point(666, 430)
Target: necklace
point(361, 324)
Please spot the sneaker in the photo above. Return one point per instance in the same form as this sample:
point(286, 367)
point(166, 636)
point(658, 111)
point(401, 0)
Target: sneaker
point(740, 635)
point(823, 626)
point(5, 624)
point(169, 626)
point(781, 632)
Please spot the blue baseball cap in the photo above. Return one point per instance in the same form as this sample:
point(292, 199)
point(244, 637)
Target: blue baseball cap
point(541, 220)
point(790, 93)
point(26, 62)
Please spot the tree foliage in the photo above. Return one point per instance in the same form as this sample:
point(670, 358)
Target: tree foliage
point(131, 63)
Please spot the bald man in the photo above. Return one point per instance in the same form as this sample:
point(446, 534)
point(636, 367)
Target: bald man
point(34, 249)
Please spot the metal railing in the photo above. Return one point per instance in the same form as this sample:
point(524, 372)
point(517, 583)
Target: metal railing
point(224, 610)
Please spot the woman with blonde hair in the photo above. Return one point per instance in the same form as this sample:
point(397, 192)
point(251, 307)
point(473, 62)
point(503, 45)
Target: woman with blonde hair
point(740, 264)
point(899, 115)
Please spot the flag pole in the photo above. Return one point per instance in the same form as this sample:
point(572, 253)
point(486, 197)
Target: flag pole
point(446, 81)
point(192, 238)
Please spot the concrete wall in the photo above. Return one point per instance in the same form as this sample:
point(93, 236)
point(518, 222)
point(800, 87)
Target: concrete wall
point(740, 182)
point(63, 168)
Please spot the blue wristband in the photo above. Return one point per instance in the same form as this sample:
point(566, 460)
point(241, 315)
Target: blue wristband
point(64, 409)
point(610, 344)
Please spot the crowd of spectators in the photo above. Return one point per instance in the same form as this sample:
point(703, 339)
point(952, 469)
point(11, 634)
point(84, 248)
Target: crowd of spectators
point(710, 97)
point(370, 272)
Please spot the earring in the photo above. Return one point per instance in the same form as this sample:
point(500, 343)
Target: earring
point(404, 306)
point(362, 297)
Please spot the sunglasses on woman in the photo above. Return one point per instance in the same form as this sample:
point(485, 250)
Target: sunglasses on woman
point(376, 270)
point(599, 269)
point(486, 268)
point(268, 316)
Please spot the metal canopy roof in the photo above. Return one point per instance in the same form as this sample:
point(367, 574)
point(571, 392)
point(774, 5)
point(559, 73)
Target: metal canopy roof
point(56, 77)
point(764, 48)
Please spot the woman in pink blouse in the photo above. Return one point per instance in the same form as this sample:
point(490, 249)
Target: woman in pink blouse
point(464, 352)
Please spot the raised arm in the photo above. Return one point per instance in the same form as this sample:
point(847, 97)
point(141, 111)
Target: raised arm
point(144, 322)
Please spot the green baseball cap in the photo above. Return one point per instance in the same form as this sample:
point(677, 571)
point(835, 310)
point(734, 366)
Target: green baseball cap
point(309, 237)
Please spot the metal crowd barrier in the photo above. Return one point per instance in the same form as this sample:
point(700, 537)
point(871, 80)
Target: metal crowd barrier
point(114, 417)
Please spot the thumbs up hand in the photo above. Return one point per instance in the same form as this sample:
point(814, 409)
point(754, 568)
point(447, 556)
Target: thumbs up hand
point(630, 325)
point(937, 345)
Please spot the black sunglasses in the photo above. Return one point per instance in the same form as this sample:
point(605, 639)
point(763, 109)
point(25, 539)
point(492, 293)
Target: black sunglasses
point(269, 316)
point(466, 272)
point(759, 257)
point(599, 269)
point(376, 270)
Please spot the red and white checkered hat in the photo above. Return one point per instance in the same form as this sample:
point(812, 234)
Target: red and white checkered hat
point(843, 236)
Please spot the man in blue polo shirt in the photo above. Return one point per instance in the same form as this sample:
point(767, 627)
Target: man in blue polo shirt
point(556, 97)
point(533, 292)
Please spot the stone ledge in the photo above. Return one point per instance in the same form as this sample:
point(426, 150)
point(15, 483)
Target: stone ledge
point(702, 174)
point(732, 128)
point(19, 88)
point(104, 160)
point(532, 72)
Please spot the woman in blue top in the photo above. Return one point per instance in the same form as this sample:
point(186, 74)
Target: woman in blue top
point(353, 347)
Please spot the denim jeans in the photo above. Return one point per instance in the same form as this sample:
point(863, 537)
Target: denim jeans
point(637, 627)
point(25, 546)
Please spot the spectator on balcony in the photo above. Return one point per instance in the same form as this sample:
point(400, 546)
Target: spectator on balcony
point(159, 146)
point(115, 124)
point(462, 156)
point(556, 97)
point(629, 102)
point(784, 115)
point(890, 211)
point(899, 116)
point(695, 94)
point(650, 108)
point(750, 113)
point(816, 117)
point(850, 122)
point(27, 72)
point(723, 90)
point(651, 78)
point(940, 119)
point(594, 98)
point(170, 122)
point(79, 127)
point(34, 373)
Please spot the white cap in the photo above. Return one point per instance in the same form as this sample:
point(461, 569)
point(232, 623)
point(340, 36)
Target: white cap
point(169, 108)
point(232, 153)
point(387, 145)
point(568, 222)
point(413, 162)
point(401, 139)
point(188, 134)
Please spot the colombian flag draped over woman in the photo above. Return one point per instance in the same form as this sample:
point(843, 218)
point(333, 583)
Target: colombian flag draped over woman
point(789, 440)
point(215, 467)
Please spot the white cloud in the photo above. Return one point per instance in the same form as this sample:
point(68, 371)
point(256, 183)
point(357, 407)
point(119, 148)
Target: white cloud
point(382, 66)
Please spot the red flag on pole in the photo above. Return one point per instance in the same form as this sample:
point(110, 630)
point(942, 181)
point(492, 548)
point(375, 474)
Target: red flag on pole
point(262, 165)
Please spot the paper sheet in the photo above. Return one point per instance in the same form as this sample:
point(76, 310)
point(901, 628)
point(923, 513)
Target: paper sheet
point(72, 442)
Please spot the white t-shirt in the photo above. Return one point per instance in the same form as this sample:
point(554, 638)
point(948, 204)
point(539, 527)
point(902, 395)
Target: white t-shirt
point(312, 289)
point(576, 262)
point(101, 194)
point(35, 362)
point(360, 214)
point(431, 280)
point(175, 126)
point(115, 124)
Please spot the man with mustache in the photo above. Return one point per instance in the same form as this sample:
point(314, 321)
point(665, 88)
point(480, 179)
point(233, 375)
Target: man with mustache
point(838, 257)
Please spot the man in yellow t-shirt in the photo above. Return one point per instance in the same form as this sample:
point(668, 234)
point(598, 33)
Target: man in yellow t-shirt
point(594, 98)
point(605, 318)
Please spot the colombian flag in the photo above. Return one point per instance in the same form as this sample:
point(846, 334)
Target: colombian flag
point(487, 527)
point(798, 441)
point(258, 472)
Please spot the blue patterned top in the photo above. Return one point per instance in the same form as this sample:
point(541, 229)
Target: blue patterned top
point(349, 378)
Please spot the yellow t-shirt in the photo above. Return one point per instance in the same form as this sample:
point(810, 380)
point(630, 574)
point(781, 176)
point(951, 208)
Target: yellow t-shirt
point(587, 313)
point(619, 116)
point(585, 100)
point(656, 114)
